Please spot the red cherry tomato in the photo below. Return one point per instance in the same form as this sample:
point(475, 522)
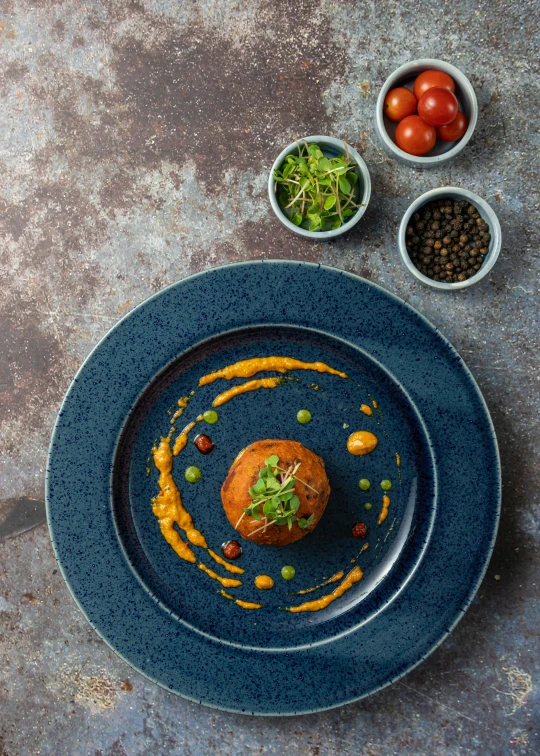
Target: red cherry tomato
point(415, 136)
point(438, 106)
point(428, 79)
point(399, 103)
point(454, 130)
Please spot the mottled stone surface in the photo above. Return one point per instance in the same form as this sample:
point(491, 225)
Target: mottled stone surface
point(135, 140)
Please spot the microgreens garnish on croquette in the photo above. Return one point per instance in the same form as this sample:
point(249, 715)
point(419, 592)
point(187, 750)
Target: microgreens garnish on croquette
point(273, 497)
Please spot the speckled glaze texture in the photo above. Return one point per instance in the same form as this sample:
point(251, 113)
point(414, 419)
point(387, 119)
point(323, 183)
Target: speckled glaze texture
point(209, 653)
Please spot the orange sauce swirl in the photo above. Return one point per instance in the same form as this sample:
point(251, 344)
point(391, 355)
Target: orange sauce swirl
point(247, 368)
point(244, 388)
point(353, 577)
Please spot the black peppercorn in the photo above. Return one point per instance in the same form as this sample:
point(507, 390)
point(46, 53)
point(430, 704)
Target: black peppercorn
point(447, 240)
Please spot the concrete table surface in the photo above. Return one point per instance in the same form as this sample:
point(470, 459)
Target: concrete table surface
point(135, 141)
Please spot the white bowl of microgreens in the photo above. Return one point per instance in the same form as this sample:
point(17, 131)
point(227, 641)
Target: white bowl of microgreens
point(319, 187)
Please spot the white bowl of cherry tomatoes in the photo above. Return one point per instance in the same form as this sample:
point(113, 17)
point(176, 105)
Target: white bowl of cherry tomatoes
point(426, 112)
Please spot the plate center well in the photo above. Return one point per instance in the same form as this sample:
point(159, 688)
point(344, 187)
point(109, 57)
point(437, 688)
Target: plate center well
point(394, 547)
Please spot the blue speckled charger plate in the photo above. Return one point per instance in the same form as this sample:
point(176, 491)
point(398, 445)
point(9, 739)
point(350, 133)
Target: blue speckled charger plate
point(423, 564)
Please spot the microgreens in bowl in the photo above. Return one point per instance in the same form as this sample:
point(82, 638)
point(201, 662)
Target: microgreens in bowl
point(273, 498)
point(317, 192)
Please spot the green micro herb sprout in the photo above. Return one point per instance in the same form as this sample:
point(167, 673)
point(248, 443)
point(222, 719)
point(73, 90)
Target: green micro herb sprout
point(273, 499)
point(317, 193)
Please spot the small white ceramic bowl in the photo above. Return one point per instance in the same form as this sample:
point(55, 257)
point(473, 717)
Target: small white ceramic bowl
point(404, 76)
point(486, 213)
point(331, 148)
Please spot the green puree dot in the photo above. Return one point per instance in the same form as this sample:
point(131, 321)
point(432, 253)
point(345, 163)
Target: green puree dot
point(368, 506)
point(288, 572)
point(304, 416)
point(364, 484)
point(386, 485)
point(192, 474)
point(211, 417)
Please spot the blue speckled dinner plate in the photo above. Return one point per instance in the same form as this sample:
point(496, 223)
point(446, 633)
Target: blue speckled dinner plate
point(422, 565)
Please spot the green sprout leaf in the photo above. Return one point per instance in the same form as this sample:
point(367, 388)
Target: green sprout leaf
point(303, 523)
point(330, 202)
point(325, 165)
point(283, 199)
point(260, 486)
point(344, 185)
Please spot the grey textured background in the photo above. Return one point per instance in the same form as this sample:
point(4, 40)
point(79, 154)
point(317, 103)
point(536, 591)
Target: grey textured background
point(135, 140)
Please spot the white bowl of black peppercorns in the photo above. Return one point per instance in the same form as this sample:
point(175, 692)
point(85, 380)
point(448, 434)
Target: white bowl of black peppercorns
point(449, 238)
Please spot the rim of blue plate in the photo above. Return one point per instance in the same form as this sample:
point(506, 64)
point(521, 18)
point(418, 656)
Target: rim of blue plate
point(473, 585)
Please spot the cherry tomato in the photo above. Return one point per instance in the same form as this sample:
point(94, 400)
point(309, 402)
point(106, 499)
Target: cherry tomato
point(399, 103)
point(415, 136)
point(438, 106)
point(428, 79)
point(454, 130)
